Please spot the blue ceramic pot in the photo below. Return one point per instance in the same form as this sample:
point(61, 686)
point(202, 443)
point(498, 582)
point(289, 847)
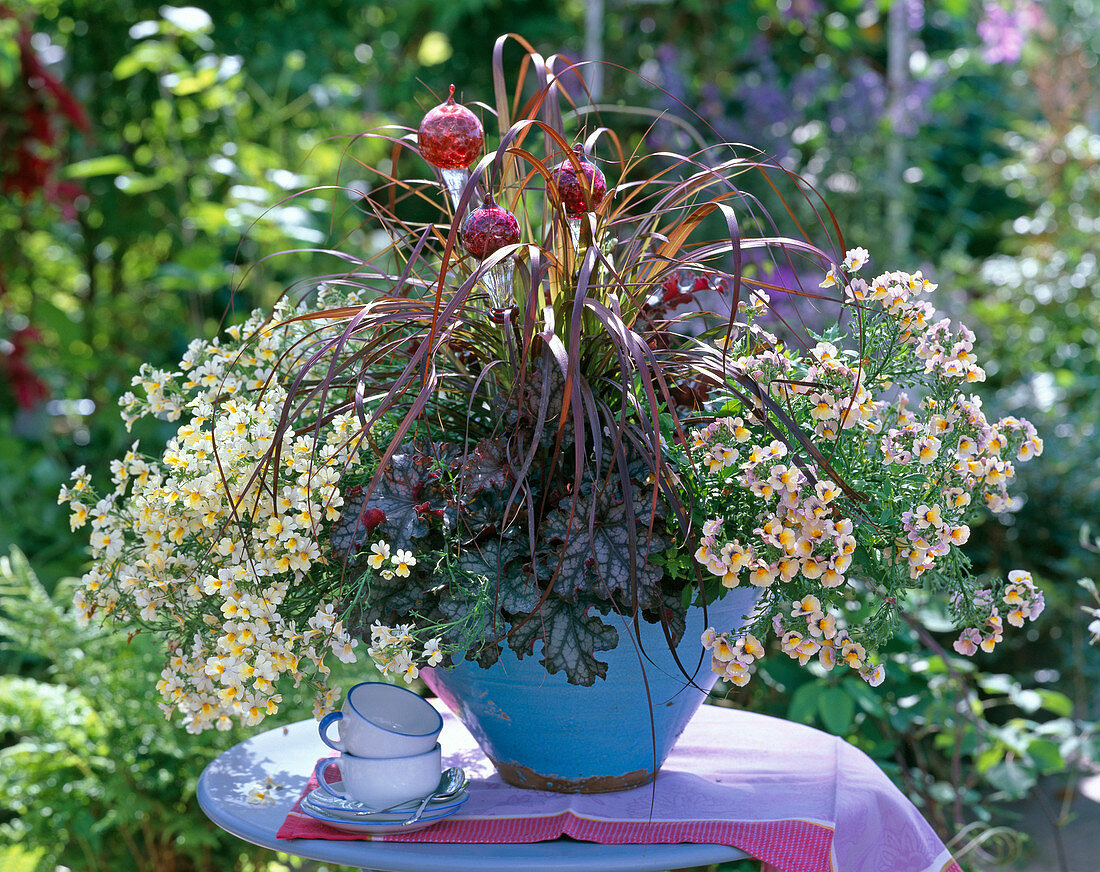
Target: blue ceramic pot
point(542, 732)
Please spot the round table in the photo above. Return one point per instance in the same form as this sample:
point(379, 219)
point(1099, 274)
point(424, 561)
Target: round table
point(287, 755)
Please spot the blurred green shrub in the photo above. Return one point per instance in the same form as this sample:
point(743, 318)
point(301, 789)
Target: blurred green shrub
point(91, 775)
point(1037, 309)
point(189, 179)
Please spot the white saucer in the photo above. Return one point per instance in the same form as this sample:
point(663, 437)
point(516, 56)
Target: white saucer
point(375, 826)
point(323, 801)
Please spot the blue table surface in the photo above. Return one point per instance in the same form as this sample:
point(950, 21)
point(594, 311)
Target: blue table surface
point(286, 755)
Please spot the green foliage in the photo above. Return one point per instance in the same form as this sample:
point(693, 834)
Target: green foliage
point(189, 180)
point(1037, 304)
point(91, 774)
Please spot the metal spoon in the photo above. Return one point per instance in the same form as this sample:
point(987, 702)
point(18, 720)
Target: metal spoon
point(451, 783)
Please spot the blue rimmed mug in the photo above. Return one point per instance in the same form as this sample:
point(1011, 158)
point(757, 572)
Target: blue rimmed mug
point(381, 782)
point(382, 720)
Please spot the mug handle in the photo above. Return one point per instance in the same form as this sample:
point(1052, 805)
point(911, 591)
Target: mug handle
point(319, 774)
point(326, 722)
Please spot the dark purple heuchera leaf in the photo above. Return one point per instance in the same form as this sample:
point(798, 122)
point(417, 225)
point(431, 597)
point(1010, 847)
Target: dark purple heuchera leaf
point(485, 467)
point(352, 530)
point(672, 614)
point(502, 566)
point(400, 493)
point(539, 381)
point(570, 638)
point(598, 559)
point(482, 480)
point(408, 495)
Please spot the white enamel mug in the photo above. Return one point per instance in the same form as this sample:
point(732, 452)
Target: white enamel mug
point(380, 782)
point(382, 720)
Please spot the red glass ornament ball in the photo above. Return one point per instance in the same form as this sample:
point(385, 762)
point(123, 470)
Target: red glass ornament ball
point(579, 193)
point(450, 136)
point(488, 228)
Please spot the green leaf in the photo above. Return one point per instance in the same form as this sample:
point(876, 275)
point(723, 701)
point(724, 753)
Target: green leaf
point(10, 63)
point(136, 184)
point(20, 858)
point(1056, 703)
point(997, 684)
point(1047, 756)
point(151, 55)
point(837, 710)
point(1029, 701)
point(106, 165)
point(1012, 778)
point(990, 757)
point(803, 707)
point(193, 84)
point(864, 696)
point(188, 19)
point(570, 640)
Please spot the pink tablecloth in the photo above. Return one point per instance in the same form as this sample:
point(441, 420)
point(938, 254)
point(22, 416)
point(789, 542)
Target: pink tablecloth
point(793, 797)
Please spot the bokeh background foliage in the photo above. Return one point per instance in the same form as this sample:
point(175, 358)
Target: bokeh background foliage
point(154, 158)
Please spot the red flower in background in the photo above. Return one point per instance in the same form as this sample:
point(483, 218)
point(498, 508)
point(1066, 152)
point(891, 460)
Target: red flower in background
point(30, 112)
point(16, 373)
point(33, 110)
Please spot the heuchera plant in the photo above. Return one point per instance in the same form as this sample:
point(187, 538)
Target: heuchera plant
point(544, 401)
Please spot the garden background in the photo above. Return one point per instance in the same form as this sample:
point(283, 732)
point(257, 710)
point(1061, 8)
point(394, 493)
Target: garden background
point(149, 161)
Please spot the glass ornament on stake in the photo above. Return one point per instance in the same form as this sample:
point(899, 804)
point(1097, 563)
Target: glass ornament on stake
point(450, 138)
point(488, 228)
point(578, 192)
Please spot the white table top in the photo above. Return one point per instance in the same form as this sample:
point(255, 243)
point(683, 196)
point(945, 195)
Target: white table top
point(287, 755)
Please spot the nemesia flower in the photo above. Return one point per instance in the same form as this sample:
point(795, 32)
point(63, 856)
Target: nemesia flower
point(855, 259)
point(432, 653)
point(380, 554)
point(1094, 626)
point(402, 560)
point(809, 605)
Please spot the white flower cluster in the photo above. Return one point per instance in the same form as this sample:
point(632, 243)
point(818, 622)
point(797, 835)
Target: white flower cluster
point(395, 651)
point(1025, 601)
point(804, 536)
point(208, 545)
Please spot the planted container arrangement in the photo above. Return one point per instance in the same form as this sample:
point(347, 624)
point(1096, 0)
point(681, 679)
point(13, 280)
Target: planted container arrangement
point(544, 442)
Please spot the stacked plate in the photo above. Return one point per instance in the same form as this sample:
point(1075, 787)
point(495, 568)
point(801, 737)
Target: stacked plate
point(355, 817)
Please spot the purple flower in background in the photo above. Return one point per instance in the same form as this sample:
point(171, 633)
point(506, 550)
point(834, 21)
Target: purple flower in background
point(800, 307)
point(672, 77)
point(863, 98)
point(1004, 29)
point(766, 104)
point(914, 107)
point(803, 10)
point(669, 76)
point(914, 14)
